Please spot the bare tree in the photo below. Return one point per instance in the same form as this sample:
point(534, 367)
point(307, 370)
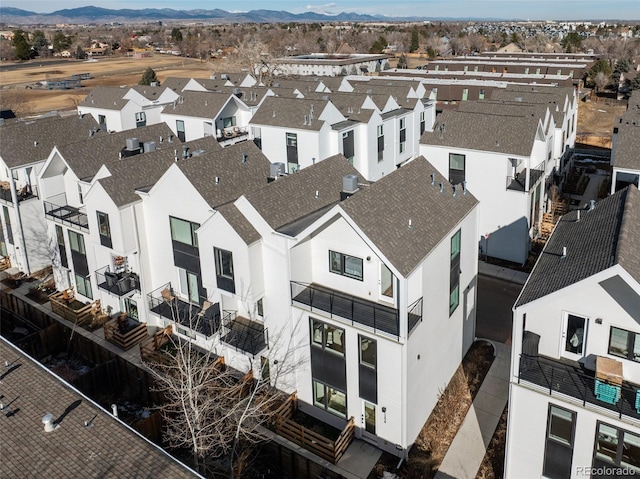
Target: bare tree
point(217, 413)
point(601, 80)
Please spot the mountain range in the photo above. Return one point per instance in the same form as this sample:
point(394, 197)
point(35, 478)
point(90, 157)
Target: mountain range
point(91, 14)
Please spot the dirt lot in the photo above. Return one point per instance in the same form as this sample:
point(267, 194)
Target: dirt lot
point(20, 92)
point(596, 117)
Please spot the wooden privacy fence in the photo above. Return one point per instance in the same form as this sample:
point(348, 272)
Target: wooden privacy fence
point(151, 348)
point(313, 442)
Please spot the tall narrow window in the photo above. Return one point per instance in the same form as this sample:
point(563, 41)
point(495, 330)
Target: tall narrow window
point(454, 274)
point(80, 194)
point(348, 146)
point(62, 250)
point(456, 168)
point(180, 129)
point(189, 285)
point(403, 135)
point(104, 230)
point(224, 270)
point(380, 142)
point(102, 121)
point(367, 369)
point(422, 122)
point(7, 223)
point(558, 451)
point(481, 94)
point(141, 119)
point(3, 244)
point(292, 152)
point(465, 94)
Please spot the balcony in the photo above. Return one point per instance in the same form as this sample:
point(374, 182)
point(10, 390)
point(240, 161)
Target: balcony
point(575, 383)
point(25, 193)
point(379, 317)
point(232, 135)
point(67, 215)
point(118, 284)
point(203, 319)
point(518, 182)
point(243, 334)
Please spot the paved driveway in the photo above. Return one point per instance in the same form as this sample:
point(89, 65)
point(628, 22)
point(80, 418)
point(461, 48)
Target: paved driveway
point(494, 315)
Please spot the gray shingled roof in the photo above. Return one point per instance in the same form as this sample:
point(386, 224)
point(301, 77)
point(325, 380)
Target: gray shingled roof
point(290, 113)
point(235, 177)
point(198, 104)
point(149, 92)
point(239, 223)
point(18, 140)
point(86, 157)
point(107, 450)
point(604, 236)
point(513, 135)
point(144, 170)
point(107, 98)
point(175, 84)
point(293, 197)
point(383, 211)
point(627, 151)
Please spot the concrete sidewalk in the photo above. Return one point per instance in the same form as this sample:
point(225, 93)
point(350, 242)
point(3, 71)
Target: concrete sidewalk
point(501, 272)
point(468, 448)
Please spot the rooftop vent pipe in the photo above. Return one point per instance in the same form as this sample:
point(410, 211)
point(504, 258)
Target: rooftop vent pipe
point(47, 420)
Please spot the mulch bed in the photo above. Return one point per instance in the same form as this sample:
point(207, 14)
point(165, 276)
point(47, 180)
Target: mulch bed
point(492, 466)
point(441, 427)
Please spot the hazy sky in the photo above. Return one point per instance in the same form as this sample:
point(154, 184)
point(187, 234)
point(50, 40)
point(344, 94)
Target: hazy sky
point(521, 9)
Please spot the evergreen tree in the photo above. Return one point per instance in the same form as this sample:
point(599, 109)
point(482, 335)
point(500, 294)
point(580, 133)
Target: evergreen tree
point(635, 83)
point(415, 40)
point(22, 46)
point(80, 55)
point(176, 34)
point(148, 77)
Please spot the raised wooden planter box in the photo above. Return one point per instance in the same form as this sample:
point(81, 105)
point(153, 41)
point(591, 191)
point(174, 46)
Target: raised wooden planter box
point(64, 304)
point(125, 332)
point(313, 442)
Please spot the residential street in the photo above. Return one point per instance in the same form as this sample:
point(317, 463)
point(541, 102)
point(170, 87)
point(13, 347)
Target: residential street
point(494, 316)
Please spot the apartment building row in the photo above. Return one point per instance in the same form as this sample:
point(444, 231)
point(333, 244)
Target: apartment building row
point(358, 285)
point(508, 151)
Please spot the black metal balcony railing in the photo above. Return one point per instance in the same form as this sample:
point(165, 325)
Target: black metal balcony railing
point(562, 378)
point(379, 317)
point(243, 334)
point(117, 283)
point(517, 183)
point(165, 303)
point(67, 215)
point(415, 314)
point(24, 193)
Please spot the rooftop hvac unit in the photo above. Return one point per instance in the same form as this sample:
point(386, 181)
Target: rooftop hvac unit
point(133, 143)
point(350, 183)
point(277, 169)
point(149, 146)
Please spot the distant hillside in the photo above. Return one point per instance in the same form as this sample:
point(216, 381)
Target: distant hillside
point(91, 14)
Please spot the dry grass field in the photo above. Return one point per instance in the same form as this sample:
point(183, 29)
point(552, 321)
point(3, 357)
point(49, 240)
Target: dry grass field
point(21, 92)
point(596, 117)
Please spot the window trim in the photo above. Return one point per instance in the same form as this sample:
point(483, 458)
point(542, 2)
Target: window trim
point(192, 226)
point(454, 272)
point(373, 343)
point(343, 261)
point(459, 175)
point(621, 433)
point(220, 270)
point(325, 345)
point(325, 404)
point(103, 221)
point(633, 337)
